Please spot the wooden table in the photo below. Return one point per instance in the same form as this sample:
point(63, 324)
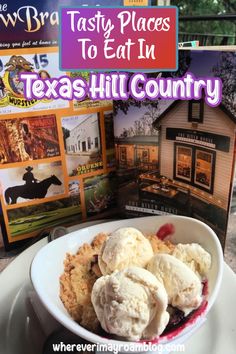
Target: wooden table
point(157, 190)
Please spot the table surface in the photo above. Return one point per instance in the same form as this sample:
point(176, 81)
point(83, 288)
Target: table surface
point(18, 329)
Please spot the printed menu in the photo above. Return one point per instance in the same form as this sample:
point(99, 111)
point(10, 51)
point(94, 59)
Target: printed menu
point(178, 156)
point(57, 157)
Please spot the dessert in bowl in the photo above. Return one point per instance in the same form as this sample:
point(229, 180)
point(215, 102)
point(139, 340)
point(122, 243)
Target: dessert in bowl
point(120, 289)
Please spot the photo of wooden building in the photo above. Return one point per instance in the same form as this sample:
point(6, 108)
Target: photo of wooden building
point(136, 140)
point(136, 147)
point(199, 154)
point(196, 162)
point(137, 151)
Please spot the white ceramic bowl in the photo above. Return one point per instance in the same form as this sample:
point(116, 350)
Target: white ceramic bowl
point(47, 266)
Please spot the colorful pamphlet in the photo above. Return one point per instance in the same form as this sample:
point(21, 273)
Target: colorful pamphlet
point(177, 157)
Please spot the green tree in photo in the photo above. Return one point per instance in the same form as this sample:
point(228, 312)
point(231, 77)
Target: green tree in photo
point(207, 7)
point(226, 70)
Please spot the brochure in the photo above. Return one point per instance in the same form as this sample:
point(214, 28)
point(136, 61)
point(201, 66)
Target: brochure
point(57, 157)
point(177, 157)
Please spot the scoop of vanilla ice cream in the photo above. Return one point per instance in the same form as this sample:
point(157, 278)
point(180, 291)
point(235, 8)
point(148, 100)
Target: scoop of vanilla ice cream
point(194, 256)
point(183, 286)
point(125, 247)
point(131, 303)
